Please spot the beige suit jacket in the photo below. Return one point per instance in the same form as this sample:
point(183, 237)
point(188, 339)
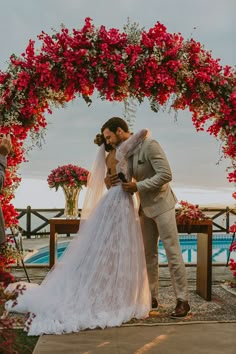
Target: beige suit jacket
point(150, 168)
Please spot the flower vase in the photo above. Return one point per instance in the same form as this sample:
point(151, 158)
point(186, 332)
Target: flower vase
point(71, 201)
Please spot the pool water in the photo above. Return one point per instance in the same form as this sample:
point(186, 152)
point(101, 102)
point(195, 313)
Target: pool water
point(220, 250)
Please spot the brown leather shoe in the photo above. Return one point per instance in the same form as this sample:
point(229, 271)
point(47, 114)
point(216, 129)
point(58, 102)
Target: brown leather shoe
point(154, 303)
point(181, 310)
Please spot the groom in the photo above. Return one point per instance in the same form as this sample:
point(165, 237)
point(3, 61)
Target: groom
point(151, 170)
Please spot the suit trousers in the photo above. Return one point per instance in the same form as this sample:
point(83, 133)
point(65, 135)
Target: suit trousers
point(165, 226)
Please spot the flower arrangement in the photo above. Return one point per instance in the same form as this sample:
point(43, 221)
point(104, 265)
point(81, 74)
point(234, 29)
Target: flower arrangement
point(189, 212)
point(72, 179)
point(69, 176)
point(134, 63)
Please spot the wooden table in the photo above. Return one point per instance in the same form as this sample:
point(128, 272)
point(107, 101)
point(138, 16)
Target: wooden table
point(203, 229)
point(60, 226)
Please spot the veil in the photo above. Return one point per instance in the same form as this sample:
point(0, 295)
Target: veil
point(95, 185)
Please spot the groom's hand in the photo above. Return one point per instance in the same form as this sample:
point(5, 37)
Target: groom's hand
point(129, 187)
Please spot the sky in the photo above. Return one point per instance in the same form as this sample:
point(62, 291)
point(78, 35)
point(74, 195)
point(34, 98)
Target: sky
point(199, 172)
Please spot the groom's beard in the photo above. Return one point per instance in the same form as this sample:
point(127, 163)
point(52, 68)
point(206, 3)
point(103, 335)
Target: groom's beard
point(118, 141)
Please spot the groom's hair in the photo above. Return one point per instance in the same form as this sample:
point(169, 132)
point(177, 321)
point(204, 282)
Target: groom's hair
point(114, 123)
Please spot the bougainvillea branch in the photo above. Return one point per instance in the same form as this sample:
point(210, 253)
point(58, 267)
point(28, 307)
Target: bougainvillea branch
point(117, 64)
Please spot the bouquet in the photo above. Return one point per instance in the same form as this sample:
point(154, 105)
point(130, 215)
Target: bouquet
point(68, 176)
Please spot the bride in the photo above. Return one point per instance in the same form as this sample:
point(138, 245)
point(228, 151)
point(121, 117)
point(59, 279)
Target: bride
point(101, 279)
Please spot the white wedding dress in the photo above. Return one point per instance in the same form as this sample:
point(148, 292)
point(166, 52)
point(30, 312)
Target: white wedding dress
point(101, 279)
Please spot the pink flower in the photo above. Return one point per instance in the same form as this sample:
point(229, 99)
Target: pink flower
point(233, 247)
point(232, 228)
point(233, 98)
point(232, 177)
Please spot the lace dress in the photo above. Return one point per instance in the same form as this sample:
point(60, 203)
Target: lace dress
point(101, 279)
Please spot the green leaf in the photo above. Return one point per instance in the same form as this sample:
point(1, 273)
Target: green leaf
point(155, 106)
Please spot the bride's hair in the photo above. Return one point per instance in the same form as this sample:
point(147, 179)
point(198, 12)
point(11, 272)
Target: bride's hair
point(99, 140)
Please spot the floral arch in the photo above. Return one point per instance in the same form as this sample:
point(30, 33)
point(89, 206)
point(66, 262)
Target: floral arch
point(133, 63)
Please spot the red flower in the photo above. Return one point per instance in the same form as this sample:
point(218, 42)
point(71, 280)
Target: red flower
point(233, 98)
point(232, 177)
point(232, 228)
point(232, 266)
point(6, 278)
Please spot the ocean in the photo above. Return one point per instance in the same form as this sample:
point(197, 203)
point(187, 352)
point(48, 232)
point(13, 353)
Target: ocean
point(37, 194)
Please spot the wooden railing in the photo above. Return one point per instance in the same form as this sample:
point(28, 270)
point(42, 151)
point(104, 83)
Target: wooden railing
point(35, 222)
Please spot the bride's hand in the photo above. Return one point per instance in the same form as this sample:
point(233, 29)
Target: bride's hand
point(111, 180)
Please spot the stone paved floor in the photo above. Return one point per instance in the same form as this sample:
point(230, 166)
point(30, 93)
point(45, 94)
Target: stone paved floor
point(201, 338)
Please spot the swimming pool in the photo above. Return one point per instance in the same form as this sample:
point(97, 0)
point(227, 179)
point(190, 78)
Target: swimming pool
point(188, 243)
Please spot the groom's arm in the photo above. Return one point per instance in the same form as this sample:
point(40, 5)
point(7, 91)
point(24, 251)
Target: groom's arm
point(161, 167)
